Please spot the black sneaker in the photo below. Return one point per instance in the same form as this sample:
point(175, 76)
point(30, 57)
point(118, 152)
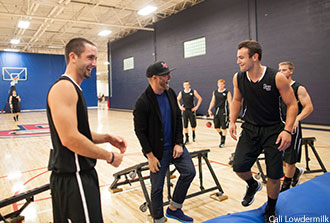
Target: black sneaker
point(296, 177)
point(222, 145)
point(194, 139)
point(249, 195)
point(285, 186)
point(270, 217)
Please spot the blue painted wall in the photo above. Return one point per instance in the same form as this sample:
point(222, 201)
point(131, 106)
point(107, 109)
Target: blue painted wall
point(296, 30)
point(43, 70)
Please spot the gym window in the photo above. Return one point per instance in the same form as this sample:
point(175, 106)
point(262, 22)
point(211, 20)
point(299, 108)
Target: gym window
point(193, 48)
point(128, 63)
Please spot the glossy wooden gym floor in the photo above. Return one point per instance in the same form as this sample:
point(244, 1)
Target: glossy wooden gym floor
point(23, 166)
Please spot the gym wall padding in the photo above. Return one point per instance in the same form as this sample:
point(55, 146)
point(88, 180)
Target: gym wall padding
point(296, 30)
point(42, 71)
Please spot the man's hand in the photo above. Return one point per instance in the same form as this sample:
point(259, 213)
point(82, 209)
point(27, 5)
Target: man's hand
point(210, 113)
point(118, 142)
point(232, 130)
point(177, 151)
point(285, 139)
point(153, 164)
point(182, 108)
point(117, 159)
point(295, 125)
point(194, 109)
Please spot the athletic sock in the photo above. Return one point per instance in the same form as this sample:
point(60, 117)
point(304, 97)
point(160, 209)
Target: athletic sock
point(187, 137)
point(271, 204)
point(223, 139)
point(288, 180)
point(251, 182)
point(193, 133)
point(14, 118)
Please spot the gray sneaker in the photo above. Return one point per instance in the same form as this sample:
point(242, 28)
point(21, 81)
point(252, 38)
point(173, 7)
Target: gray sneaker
point(296, 177)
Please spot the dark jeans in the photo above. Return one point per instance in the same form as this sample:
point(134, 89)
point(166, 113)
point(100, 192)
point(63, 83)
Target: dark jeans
point(187, 172)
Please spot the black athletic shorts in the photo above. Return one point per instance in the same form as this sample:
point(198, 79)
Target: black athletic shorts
point(191, 116)
point(252, 142)
point(16, 109)
point(292, 154)
point(221, 118)
point(76, 197)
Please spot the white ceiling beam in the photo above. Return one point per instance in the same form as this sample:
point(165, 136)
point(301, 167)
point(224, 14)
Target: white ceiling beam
point(79, 21)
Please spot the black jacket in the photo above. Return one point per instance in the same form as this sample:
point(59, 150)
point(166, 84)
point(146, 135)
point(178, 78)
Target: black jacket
point(148, 122)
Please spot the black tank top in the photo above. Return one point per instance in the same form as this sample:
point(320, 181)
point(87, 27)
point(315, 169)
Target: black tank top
point(14, 101)
point(63, 160)
point(221, 99)
point(295, 85)
point(188, 99)
point(261, 104)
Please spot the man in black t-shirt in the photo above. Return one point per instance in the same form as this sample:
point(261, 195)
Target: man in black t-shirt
point(292, 154)
point(259, 88)
point(221, 99)
point(189, 109)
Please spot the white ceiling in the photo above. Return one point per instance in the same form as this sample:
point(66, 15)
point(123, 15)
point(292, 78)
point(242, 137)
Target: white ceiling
point(54, 22)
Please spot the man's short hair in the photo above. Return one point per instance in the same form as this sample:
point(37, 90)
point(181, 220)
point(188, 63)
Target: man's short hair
point(76, 45)
point(222, 81)
point(253, 47)
point(185, 82)
point(288, 63)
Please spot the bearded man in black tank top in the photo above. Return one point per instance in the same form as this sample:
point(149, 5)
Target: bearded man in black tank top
point(74, 183)
point(259, 88)
point(292, 155)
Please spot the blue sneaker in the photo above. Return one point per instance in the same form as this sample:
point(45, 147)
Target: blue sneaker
point(178, 215)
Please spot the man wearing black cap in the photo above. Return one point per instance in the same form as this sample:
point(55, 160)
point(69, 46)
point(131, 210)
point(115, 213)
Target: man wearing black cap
point(158, 126)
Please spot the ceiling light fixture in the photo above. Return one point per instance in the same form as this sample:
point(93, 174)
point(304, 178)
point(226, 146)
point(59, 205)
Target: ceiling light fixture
point(147, 10)
point(105, 32)
point(11, 50)
point(23, 24)
point(15, 41)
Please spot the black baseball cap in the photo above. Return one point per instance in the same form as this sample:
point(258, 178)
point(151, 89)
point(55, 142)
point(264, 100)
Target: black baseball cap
point(158, 68)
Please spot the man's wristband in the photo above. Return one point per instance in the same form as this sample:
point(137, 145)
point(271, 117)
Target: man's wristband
point(113, 158)
point(285, 130)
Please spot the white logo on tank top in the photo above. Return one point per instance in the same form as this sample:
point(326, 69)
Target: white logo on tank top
point(267, 87)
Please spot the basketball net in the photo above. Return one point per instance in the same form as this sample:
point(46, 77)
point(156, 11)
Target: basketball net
point(14, 81)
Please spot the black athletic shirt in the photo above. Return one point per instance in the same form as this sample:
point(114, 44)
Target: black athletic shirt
point(188, 99)
point(63, 160)
point(261, 100)
point(14, 101)
point(221, 99)
point(295, 85)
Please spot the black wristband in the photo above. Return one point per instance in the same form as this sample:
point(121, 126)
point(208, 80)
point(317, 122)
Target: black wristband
point(113, 158)
point(287, 131)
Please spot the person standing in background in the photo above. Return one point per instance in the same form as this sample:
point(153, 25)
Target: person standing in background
point(221, 100)
point(189, 109)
